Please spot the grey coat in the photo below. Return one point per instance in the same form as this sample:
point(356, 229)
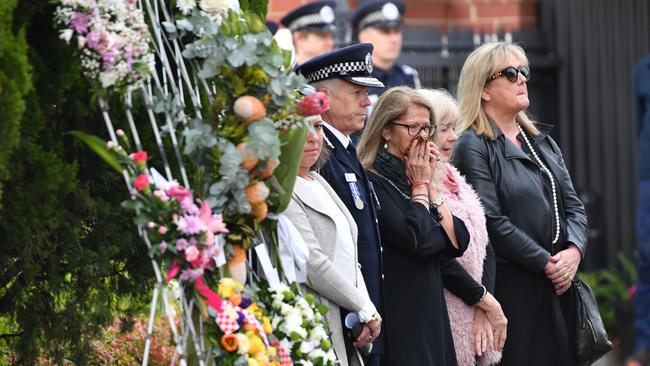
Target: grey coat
point(325, 281)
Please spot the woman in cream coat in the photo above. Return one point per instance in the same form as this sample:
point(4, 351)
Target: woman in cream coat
point(331, 234)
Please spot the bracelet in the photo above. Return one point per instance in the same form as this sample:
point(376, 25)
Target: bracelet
point(484, 293)
point(423, 195)
point(438, 202)
point(420, 183)
point(374, 317)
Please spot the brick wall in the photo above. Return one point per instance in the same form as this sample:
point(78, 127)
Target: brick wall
point(477, 15)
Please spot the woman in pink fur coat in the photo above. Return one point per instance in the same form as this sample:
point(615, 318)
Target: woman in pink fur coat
point(470, 328)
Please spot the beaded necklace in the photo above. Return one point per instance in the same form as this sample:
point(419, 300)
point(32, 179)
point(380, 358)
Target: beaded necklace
point(550, 177)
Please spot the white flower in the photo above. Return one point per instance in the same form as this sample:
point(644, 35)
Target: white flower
point(186, 6)
point(307, 347)
point(243, 343)
point(318, 334)
point(318, 353)
point(108, 78)
point(214, 6)
point(66, 35)
point(286, 344)
point(81, 42)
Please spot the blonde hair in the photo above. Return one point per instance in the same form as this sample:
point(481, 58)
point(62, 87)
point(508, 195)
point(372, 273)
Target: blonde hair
point(390, 106)
point(479, 66)
point(445, 110)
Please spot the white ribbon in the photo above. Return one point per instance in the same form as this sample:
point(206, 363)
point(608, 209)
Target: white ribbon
point(293, 251)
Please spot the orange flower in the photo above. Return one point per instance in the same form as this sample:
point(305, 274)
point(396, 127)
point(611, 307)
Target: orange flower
point(250, 158)
point(235, 299)
point(270, 166)
point(229, 342)
point(260, 211)
point(249, 109)
point(257, 193)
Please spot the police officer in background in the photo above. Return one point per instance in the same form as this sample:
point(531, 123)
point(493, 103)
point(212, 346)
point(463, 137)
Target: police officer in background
point(312, 29)
point(380, 23)
point(344, 76)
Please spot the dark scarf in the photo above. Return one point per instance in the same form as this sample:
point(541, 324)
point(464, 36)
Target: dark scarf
point(392, 168)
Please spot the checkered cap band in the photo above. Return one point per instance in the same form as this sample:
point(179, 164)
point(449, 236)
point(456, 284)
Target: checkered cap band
point(339, 69)
point(307, 20)
point(374, 17)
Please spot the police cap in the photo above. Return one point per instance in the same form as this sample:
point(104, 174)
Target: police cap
point(382, 14)
point(352, 64)
point(317, 16)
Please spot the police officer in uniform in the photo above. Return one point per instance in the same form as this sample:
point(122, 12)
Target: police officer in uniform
point(380, 23)
point(344, 76)
point(312, 29)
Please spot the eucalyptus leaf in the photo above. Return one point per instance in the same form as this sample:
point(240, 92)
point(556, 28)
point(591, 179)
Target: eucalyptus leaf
point(170, 28)
point(184, 24)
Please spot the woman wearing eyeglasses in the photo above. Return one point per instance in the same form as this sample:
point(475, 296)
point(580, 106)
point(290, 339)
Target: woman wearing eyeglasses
point(418, 233)
point(536, 222)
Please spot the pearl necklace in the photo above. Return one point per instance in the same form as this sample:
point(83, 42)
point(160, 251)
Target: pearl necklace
point(550, 177)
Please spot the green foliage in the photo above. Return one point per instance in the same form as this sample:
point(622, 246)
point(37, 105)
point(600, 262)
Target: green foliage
point(611, 286)
point(68, 252)
point(15, 81)
point(99, 147)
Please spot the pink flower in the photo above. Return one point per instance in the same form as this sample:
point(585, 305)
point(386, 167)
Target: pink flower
point(214, 223)
point(181, 244)
point(162, 230)
point(162, 246)
point(178, 192)
point(191, 274)
point(119, 132)
point(80, 22)
point(151, 225)
point(191, 254)
point(141, 182)
point(140, 157)
point(190, 225)
point(110, 145)
point(161, 195)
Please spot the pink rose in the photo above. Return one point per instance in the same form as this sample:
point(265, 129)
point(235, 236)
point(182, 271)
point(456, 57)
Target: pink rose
point(140, 156)
point(191, 254)
point(162, 230)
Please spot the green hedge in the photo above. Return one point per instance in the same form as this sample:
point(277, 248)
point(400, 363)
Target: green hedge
point(69, 255)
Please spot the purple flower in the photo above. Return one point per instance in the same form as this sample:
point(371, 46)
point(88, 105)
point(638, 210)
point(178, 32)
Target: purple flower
point(80, 22)
point(162, 246)
point(190, 225)
point(245, 302)
point(191, 274)
point(181, 244)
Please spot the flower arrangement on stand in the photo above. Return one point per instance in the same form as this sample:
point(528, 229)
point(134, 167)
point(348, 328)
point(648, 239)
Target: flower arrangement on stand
point(112, 37)
point(298, 322)
point(242, 148)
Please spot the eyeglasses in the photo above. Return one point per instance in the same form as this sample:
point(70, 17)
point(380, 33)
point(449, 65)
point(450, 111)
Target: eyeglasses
point(512, 73)
point(414, 130)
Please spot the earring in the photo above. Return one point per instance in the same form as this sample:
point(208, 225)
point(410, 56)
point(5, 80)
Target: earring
point(386, 145)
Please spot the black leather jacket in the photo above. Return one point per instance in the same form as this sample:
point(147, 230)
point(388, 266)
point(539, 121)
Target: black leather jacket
point(517, 198)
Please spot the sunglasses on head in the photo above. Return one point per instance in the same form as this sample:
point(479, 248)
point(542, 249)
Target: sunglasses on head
point(512, 73)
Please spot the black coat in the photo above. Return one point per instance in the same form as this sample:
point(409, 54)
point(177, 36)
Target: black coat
point(415, 246)
point(519, 213)
point(340, 167)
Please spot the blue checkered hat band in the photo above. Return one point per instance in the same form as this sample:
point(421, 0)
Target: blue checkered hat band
point(338, 69)
point(374, 17)
point(306, 20)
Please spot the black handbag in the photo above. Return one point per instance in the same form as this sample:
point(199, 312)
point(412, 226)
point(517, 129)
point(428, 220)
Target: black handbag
point(591, 337)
